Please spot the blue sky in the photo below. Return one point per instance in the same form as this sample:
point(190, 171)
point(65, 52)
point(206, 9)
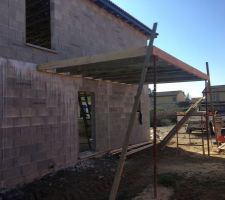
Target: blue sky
point(191, 30)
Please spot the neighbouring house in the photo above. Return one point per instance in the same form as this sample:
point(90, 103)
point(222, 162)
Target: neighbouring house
point(170, 98)
point(168, 104)
point(50, 117)
point(218, 99)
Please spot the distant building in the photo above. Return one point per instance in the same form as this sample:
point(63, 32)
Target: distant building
point(168, 104)
point(170, 98)
point(218, 98)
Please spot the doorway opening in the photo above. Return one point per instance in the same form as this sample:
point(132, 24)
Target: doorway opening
point(86, 121)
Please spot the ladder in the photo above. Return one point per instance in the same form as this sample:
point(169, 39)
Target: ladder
point(178, 126)
point(85, 109)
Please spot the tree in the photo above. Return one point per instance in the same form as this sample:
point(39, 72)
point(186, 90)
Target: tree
point(188, 99)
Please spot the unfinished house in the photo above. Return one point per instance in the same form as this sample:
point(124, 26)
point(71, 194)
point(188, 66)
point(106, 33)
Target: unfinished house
point(42, 128)
point(51, 114)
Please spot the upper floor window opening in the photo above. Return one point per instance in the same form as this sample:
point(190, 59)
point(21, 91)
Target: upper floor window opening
point(38, 23)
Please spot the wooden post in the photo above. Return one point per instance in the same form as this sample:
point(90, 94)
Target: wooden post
point(189, 136)
point(210, 99)
point(210, 91)
point(145, 67)
point(154, 131)
point(177, 137)
point(206, 116)
point(177, 141)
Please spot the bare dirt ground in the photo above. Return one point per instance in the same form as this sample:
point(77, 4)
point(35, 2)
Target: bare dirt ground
point(183, 174)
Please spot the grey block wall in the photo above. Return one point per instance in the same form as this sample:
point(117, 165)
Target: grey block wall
point(38, 122)
point(37, 130)
point(79, 28)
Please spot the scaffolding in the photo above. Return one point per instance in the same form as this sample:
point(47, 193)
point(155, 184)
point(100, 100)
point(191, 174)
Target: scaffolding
point(202, 129)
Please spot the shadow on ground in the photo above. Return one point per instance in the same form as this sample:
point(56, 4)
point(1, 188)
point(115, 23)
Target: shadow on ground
point(190, 175)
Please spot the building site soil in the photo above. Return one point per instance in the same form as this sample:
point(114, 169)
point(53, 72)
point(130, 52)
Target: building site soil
point(183, 174)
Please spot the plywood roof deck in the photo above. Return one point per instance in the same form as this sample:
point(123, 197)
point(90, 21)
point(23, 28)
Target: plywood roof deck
point(125, 67)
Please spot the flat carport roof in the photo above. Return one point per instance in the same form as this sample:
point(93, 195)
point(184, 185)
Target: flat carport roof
point(126, 66)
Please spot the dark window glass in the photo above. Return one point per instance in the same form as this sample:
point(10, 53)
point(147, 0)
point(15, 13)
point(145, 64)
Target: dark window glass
point(38, 23)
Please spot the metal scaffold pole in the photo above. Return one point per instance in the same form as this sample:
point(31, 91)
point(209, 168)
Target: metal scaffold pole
point(119, 171)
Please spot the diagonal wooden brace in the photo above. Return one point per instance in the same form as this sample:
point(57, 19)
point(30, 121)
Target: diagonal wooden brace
point(145, 67)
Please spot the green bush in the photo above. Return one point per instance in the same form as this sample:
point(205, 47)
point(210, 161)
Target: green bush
point(165, 122)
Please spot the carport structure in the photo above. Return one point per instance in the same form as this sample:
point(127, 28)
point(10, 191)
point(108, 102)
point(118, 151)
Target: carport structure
point(126, 67)
point(145, 65)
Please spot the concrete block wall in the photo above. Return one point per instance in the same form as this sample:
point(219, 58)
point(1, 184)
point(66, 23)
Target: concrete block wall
point(37, 133)
point(113, 104)
point(38, 121)
point(88, 29)
point(79, 28)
